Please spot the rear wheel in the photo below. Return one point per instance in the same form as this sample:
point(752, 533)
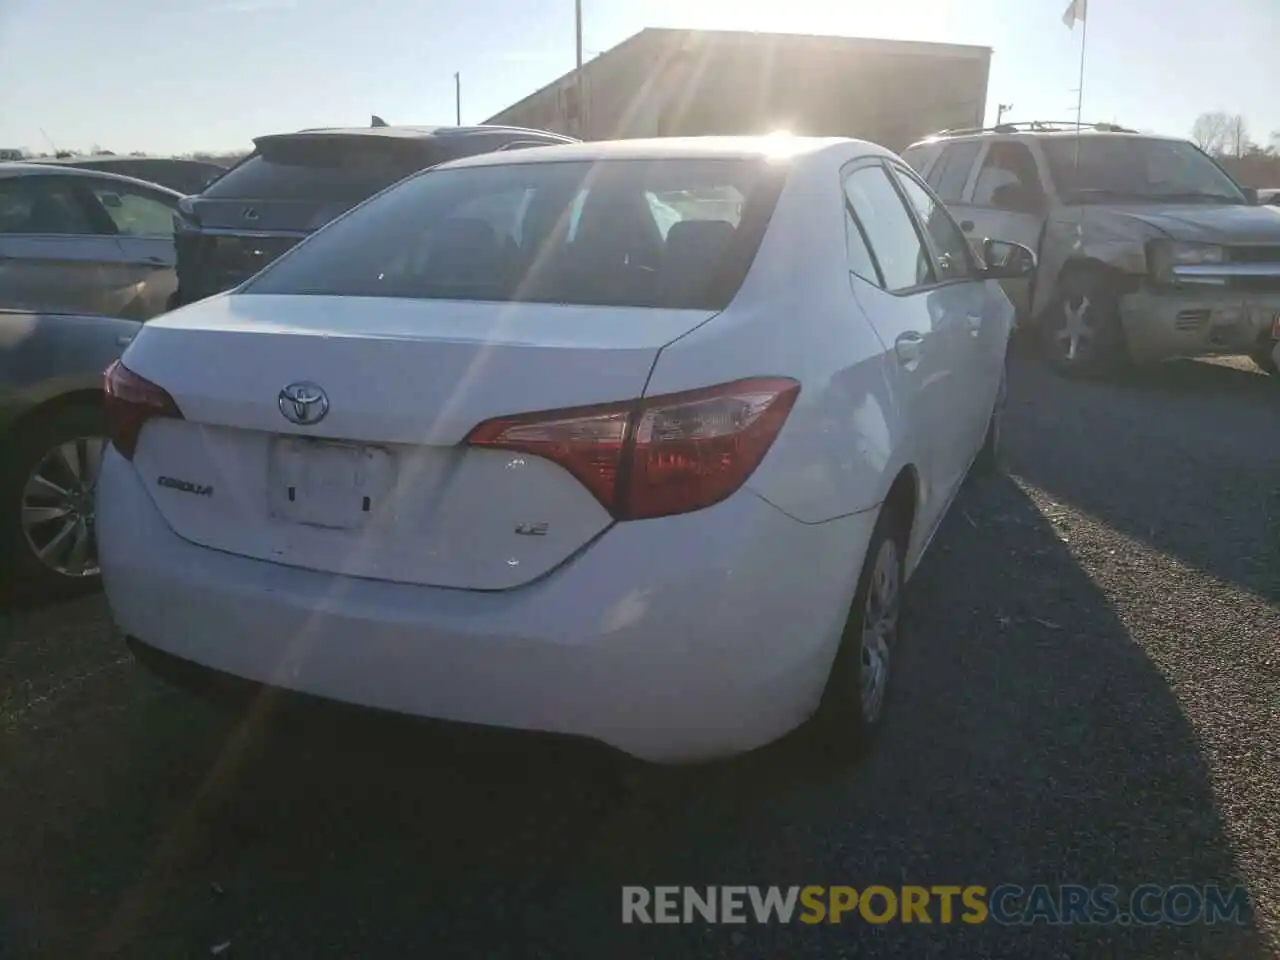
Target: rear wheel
point(852, 707)
point(47, 523)
point(1080, 333)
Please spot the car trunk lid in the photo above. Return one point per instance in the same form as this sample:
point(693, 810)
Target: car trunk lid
point(381, 485)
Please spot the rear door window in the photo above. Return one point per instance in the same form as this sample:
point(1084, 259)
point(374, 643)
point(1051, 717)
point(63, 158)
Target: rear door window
point(15, 205)
point(583, 233)
point(898, 248)
point(1008, 179)
point(949, 245)
point(44, 205)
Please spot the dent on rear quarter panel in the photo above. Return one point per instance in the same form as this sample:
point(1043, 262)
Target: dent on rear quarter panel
point(796, 317)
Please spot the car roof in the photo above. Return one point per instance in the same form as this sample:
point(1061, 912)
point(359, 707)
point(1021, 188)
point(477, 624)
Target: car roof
point(18, 168)
point(79, 161)
point(1055, 134)
point(418, 132)
point(666, 148)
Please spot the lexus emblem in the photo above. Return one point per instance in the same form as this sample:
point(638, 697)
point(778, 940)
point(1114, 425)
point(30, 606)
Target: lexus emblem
point(303, 403)
point(250, 213)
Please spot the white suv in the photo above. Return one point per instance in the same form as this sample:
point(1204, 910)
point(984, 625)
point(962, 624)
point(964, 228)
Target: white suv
point(1148, 249)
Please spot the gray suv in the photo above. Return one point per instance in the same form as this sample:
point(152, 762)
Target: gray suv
point(1148, 249)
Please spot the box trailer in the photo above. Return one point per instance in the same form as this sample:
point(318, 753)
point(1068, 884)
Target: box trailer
point(663, 82)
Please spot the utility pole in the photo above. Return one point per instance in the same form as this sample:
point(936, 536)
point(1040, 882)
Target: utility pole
point(577, 80)
point(1001, 110)
point(457, 98)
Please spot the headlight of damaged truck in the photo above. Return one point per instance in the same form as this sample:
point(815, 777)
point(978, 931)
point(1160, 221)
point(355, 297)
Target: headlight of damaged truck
point(1164, 255)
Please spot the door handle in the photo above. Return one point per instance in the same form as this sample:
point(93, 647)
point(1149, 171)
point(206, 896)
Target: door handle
point(909, 346)
point(966, 226)
point(156, 261)
point(975, 323)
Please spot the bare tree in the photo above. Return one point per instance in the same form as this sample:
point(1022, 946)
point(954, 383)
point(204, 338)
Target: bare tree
point(1211, 131)
point(1237, 136)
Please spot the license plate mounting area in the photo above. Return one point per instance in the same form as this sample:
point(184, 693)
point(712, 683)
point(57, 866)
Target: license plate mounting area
point(323, 483)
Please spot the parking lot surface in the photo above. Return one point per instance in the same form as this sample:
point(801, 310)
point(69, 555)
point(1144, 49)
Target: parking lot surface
point(1089, 693)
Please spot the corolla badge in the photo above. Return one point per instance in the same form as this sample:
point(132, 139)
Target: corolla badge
point(303, 403)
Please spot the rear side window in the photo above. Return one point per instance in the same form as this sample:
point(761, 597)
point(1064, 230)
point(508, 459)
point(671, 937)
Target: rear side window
point(645, 233)
point(951, 172)
point(320, 170)
point(134, 214)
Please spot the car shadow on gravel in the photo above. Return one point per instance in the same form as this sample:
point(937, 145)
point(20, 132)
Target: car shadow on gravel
point(1183, 457)
point(1029, 741)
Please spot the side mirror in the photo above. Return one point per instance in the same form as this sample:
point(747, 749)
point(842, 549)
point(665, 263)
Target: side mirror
point(1251, 194)
point(111, 201)
point(1006, 260)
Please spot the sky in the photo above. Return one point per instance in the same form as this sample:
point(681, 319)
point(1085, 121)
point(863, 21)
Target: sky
point(176, 76)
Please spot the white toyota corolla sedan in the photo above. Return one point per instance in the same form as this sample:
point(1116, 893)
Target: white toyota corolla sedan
point(498, 447)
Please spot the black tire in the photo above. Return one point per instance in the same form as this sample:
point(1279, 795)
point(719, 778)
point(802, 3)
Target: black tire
point(24, 453)
point(844, 729)
point(1080, 332)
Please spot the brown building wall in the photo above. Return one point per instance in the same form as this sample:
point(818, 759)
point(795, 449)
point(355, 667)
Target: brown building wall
point(673, 83)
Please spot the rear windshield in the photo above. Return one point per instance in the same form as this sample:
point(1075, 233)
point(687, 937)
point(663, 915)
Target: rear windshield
point(646, 233)
point(317, 170)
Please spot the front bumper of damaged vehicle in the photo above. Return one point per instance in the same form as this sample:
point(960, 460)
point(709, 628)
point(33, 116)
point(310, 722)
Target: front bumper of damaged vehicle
point(1202, 309)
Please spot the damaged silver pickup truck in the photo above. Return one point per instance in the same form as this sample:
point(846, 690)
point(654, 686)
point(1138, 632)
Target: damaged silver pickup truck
point(1148, 249)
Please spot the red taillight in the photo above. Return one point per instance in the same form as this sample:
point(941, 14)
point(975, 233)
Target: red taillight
point(660, 455)
point(129, 402)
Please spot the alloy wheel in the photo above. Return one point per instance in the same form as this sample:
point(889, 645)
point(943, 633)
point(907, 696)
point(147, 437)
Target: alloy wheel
point(879, 628)
point(58, 508)
point(1078, 335)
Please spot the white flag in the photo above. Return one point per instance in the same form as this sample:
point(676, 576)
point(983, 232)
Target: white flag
point(1075, 11)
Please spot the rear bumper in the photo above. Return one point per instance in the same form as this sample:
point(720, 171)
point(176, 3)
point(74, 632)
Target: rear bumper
point(677, 639)
point(1196, 322)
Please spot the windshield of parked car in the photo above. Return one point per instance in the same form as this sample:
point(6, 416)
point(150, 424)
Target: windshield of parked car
point(1137, 169)
point(678, 233)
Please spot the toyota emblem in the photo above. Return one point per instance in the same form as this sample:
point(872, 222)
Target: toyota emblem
point(303, 403)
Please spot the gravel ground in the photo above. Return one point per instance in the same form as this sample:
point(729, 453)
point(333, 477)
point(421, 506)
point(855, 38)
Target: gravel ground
point(1090, 694)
